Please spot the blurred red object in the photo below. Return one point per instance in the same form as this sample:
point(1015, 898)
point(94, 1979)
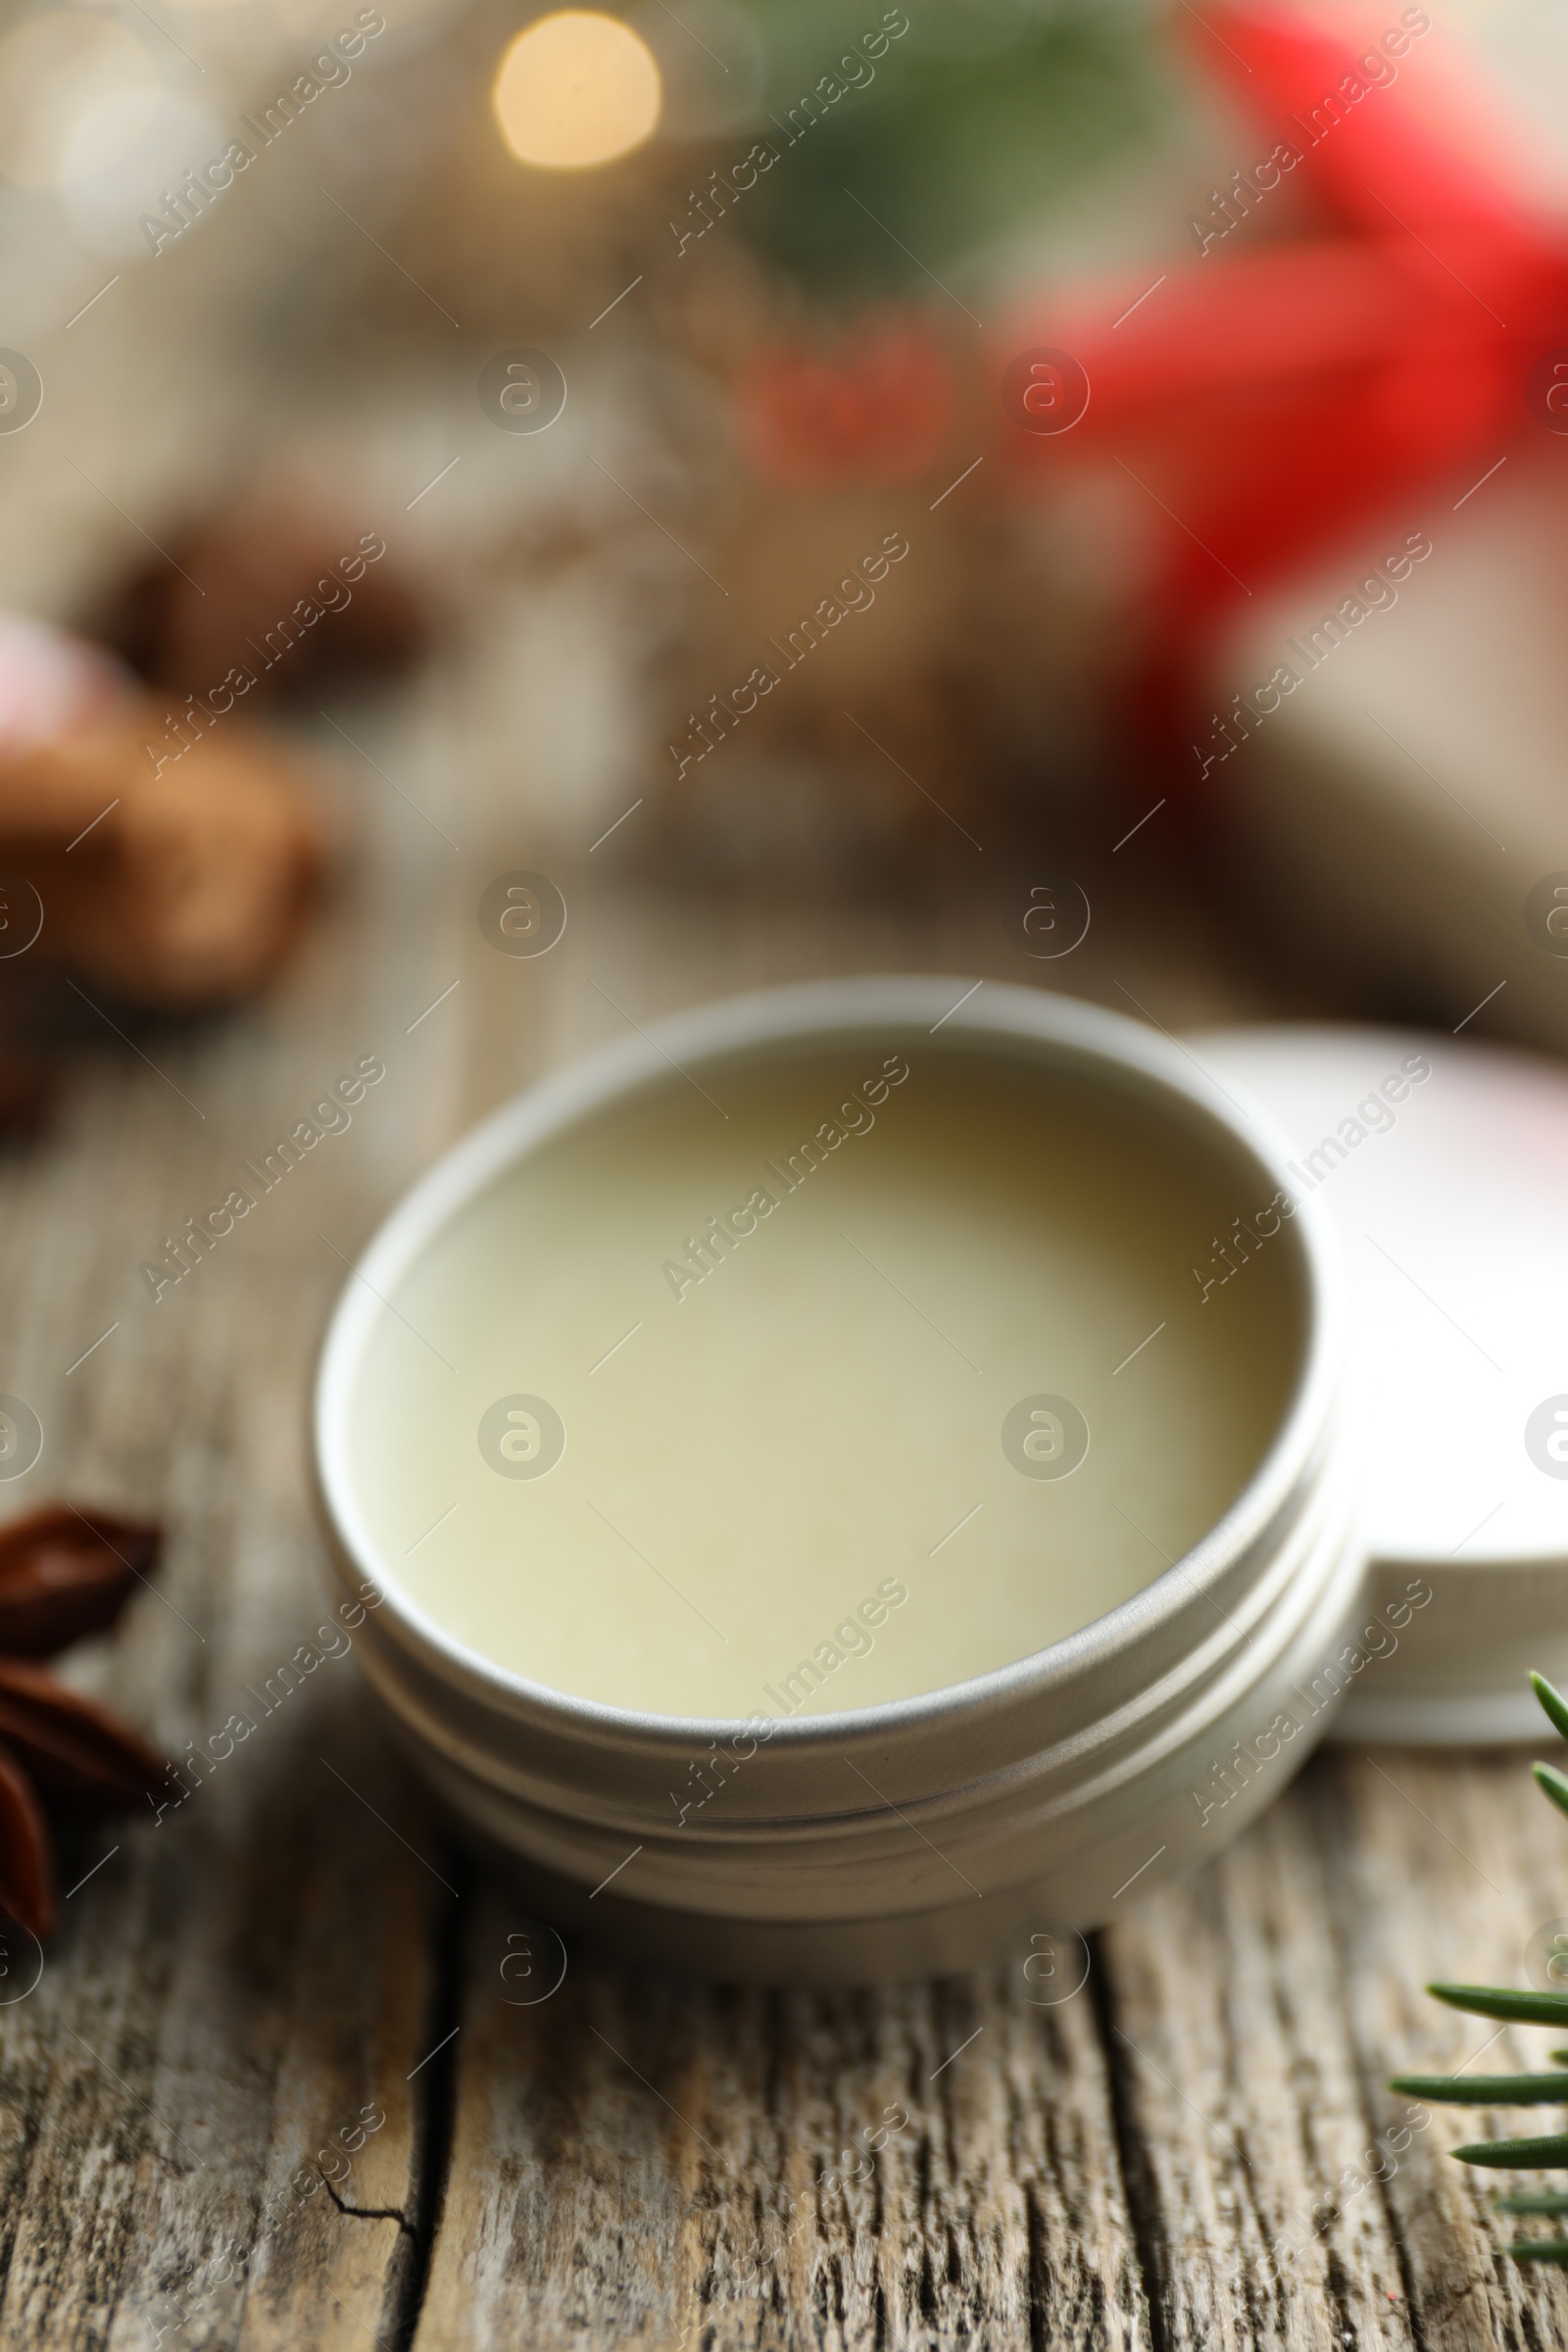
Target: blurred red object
point(1273, 401)
point(877, 409)
point(1259, 405)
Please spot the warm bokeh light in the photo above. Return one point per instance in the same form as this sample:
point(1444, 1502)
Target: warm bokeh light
point(76, 91)
point(577, 89)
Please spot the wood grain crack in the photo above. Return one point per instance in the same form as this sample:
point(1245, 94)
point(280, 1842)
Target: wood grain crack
point(436, 2103)
point(1139, 2184)
point(367, 2212)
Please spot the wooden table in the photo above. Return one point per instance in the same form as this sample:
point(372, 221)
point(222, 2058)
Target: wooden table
point(630, 2161)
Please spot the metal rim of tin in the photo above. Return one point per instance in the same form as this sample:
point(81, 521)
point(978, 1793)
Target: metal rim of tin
point(1033, 1782)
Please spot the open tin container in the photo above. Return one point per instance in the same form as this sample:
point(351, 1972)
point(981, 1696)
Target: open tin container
point(938, 1830)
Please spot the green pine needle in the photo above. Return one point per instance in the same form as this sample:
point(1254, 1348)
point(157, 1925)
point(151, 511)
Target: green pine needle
point(1486, 2090)
point(1515, 2008)
point(1550, 2151)
point(1554, 1702)
point(1517, 2155)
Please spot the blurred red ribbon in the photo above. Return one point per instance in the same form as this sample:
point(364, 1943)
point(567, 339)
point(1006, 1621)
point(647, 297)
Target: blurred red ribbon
point(1273, 401)
point(1276, 402)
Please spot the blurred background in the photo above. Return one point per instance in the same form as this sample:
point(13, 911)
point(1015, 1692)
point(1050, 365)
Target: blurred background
point(737, 455)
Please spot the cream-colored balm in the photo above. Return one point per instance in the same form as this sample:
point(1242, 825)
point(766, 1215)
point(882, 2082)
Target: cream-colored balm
point(861, 1378)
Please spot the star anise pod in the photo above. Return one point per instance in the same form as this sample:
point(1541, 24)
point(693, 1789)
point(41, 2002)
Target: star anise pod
point(63, 1573)
point(66, 1573)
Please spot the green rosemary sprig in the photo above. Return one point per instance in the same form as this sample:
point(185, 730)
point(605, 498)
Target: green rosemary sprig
point(1514, 2090)
point(1488, 2090)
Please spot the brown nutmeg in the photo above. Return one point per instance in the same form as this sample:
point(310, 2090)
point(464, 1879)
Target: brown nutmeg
point(175, 875)
point(241, 589)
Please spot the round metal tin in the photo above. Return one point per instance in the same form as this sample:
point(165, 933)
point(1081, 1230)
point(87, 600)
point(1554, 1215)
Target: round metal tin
point(941, 1830)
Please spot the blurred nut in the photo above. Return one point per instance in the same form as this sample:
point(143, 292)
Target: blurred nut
point(240, 590)
point(182, 888)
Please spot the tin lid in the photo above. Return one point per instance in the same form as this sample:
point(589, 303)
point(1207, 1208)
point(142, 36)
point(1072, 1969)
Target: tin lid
point(1446, 1164)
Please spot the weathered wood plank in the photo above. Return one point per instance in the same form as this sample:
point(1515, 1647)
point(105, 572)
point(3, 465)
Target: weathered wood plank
point(1226, 2005)
point(1287, 2195)
point(640, 2160)
point(238, 1982)
point(1443, 1867)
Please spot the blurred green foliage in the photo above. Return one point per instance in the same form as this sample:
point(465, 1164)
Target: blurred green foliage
point(974, 123)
